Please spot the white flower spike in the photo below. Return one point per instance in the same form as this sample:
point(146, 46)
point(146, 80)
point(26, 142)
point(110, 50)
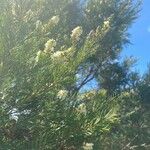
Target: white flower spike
point(76, 33)
point(88, 146)
point(62, 94)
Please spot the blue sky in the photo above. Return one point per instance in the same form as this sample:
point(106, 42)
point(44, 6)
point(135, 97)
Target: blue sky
point(140, 39)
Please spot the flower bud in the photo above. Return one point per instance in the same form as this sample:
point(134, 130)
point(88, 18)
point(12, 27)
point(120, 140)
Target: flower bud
point(76, 33)
point(49, 46)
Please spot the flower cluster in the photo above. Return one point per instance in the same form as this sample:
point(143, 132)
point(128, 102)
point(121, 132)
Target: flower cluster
point(62, 94)
point(126, 94)
point(49, 46)
point(60, 56)
point(76, 33)
point(106, 24)
point(103, 92)
point(82, 109)
point(55, 20)
point(88, 146)
point(52, 22)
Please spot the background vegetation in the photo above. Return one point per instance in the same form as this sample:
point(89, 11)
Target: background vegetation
point(49, 51)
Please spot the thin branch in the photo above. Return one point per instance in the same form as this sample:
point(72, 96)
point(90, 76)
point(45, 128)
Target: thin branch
point(87, 78)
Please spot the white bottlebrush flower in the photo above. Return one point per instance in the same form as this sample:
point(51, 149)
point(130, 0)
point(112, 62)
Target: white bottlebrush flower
point(69, 50)
point(55, 20)
point(51, 23)
point(58, 56)
point(102, 92)
point(62, 94)
point(88, 146)
point(61, 56)
point(126, 94)
point(49, 46)
point(82, 108)
point(76, 33)
point(106, 24)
